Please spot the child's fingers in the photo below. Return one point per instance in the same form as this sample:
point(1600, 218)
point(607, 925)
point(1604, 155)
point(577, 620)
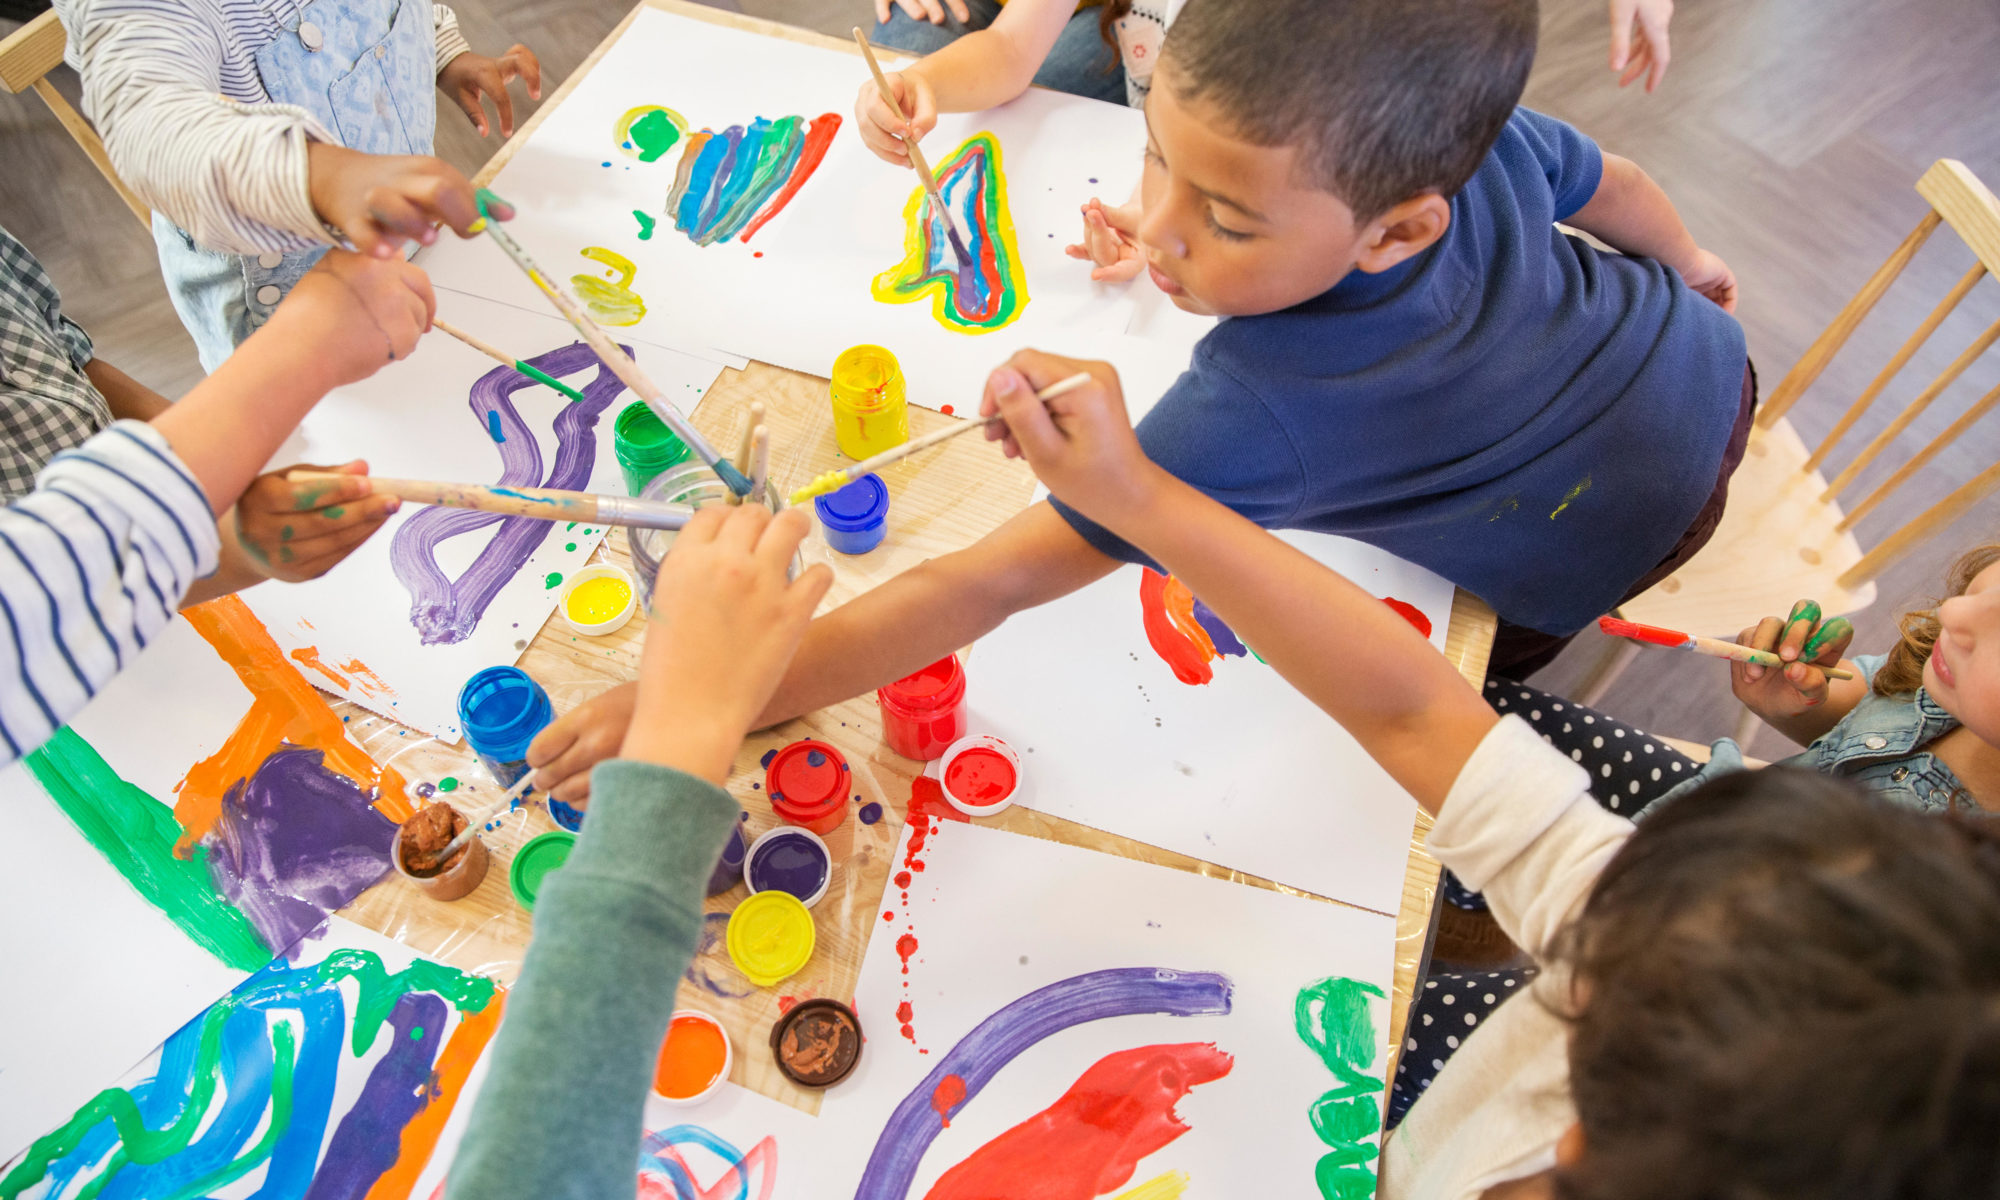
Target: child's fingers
point(503, 103)
point(467, 99)
point(1810, 682)
point(804, 593)
point(445, 195)
point(959, 10)
point(1120, 271)
point(1077, 250)
point(1799, 626)
point(1830, 642)
point(703, 527)
point(337, 518)
point(779, 539)
point(322, 554)
point(309, 495)
point(522, 62)
point(881, 11)
point(1621, 33)
point(742, 528)
point(574, 790)
point(1029, 423)
point(1761, 636)
point(417, 286)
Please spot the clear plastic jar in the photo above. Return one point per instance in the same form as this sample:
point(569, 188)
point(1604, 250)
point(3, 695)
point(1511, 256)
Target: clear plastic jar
point(692, 484)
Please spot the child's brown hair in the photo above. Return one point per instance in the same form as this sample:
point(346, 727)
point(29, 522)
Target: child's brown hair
point(1903, 673)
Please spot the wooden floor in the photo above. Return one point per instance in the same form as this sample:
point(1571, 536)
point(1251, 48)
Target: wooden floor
point(1789, 133)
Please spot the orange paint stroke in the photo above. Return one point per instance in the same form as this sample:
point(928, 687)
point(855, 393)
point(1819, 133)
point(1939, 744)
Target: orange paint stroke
point(1168, 609)
point(447, 1083)
point(1411, 613)
point(284, 710)
point(309, 657)
point(370, 682)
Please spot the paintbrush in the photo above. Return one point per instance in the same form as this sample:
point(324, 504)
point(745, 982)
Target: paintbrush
point(1694, 643)
point(473, 827)
point(833, 481)
point(619, 362)
point(760, 462)
point(543, 504)
point(745, 448)
point(916, 156)
point(522, 365)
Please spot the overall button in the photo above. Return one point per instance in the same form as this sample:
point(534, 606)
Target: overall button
point(310, 36)
point(270, 260)
point(1899, 774)
point(1876, 743)
point(269, 294)
point(381, 52)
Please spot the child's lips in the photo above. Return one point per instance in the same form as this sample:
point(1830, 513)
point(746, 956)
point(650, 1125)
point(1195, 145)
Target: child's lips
point(1163, 282)
point(1944, 671)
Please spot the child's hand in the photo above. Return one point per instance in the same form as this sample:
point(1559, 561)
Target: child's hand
point(924, 10)
point(351, 315)
point(1806, 644)
point(1711, 277)
point(1639, 40)
point(573, 743)
point(878, 124)
point(471, 78)
point(1110, 242)
point(300, 531)
point(381, 201)
point(725, 621)
point(1080, 443)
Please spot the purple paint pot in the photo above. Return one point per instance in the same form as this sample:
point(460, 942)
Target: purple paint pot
point(792, 860)
point(729, 868)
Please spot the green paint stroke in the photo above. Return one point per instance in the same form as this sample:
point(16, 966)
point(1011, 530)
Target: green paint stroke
point(554, 578)
point(646, 223)
point(649, 131)
point(136, 833)
point(377, 993)
point(540, 376)
point(1335, 1019)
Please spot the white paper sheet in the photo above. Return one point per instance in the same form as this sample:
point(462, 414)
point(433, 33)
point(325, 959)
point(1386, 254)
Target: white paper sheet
point(798, 292)
point(412, 421)
point(1242, 771)
point(997, 916)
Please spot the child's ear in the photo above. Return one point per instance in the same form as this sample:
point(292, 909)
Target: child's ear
point(1406, 230)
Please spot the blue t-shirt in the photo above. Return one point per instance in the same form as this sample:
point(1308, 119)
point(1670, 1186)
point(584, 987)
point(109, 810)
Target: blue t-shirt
point(1532, 418)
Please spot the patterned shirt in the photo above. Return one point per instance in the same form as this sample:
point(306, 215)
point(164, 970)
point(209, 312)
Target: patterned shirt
point(173, 87)
point(47, 403)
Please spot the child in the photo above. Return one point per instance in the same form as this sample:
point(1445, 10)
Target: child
point(257, 134)
point(1775, 988)
point(1415, 357)
point(118, 530)
point(559, 1113)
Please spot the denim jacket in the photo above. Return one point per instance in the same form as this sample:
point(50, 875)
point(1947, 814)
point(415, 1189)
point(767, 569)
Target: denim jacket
point(1880, 746)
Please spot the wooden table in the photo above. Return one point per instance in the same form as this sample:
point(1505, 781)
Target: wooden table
point(945, 499)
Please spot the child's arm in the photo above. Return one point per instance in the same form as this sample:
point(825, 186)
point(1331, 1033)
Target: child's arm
point(985, 68)
point(1799, 701)
point(1630, 213)
point(1342, 648)
point(617, 926)
point(874, 639)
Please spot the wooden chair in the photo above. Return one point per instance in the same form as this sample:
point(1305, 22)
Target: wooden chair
point(26, 57)
point(1784, 535)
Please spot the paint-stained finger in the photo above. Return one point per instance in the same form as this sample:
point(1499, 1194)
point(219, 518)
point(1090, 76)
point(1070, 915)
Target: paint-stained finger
point(332, 519)
point(1809, 681)
point(1761, 636)
point(1829, 642)
point(1799, 626)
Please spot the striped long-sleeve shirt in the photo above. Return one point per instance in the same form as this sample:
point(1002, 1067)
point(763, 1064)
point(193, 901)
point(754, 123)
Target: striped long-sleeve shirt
point(93, 563)
point(173, 88)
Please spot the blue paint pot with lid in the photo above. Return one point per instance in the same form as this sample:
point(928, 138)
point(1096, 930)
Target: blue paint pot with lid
point(856, 518)
point(501, 709)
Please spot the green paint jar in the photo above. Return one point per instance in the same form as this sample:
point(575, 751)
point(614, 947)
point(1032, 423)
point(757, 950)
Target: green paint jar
point(645, 447)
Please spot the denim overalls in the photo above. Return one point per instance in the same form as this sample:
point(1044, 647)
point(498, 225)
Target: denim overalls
point(367, 71)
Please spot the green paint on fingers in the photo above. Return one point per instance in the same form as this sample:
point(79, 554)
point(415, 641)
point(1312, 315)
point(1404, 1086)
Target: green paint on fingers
point(335, 513)
point(1829, 633)
point(285, 534)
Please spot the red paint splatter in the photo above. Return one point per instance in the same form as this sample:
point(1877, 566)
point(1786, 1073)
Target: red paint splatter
point(1089, 1142)
point(787, 1003)
point(888, 916)
point(947, 1095)
point(1182, 644)
point(905, 947)
point(927, 801)
point(903, 880)
point(903, 1014)
point(756, 254)
point(945, 409)
point(1411, 613)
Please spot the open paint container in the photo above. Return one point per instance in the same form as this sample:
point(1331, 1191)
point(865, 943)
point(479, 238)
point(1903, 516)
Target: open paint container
point(728, 870)
point(694, 1059)
point(467, 869)
point(537, 859)
point(599, 600)
point(809, 782)
point(692, 484)
point(770, 938)
point(817, 1043)
point(980, 775)
point(792, 860)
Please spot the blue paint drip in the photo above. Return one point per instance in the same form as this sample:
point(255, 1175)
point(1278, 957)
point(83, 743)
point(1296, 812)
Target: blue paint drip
point(815, 759)
point(765, 761)
point(493, 429)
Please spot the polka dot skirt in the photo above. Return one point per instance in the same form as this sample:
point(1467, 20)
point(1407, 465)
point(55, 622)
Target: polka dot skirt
point(1448, 1010)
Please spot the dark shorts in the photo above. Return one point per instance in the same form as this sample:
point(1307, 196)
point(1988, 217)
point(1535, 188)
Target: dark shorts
point(1519, 651)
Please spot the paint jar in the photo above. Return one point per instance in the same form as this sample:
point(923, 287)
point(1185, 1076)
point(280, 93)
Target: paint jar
point(692, 484)
point(567, 816)
point(855, 518)
point(694, 1058)
point(770, 938)
point(729, 868)
point(453, 883)
point(980, 775)
point(870, 411)
point(501, 710)
point(599, 599)
point(644, 446)
point(923, 714)
point(817, 1043)
point(809, 783)
point(792, 860)
point(537, 859)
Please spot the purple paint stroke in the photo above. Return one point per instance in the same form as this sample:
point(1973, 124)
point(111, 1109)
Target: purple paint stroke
point(370, 1137)
point(1002, 1037)
point(446, 611)
point(1219, 632)
point(295, 842)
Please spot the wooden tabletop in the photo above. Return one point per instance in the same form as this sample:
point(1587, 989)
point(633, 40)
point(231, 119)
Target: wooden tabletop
point(946, 498)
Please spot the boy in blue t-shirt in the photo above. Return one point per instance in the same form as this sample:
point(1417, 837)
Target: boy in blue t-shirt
point(1414, 355)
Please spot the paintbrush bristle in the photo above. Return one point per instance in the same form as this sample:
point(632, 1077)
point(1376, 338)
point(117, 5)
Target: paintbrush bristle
point(957, 242)
point(832, 481)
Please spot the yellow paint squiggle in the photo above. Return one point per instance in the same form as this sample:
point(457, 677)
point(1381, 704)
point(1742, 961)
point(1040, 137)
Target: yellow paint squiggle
point(611, 301)
point(1160, 1187)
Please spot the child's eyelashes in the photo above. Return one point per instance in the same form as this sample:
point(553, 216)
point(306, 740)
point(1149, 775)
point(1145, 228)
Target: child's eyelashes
point(1224, 232)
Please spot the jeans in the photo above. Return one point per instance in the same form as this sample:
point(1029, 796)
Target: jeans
point(1080, 63)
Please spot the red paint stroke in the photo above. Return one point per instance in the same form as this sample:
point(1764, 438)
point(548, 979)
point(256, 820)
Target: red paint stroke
point(819, 135)
point(1090, 1141)
point(447, 1084)
point(308, 657)
point(927, 801)
point(664, 1174)
point(285, 710)
point(370, 682)
point(1411, 613)
point(949, 1094)
point(787, 1004)
point(1168, 610)
point(1644, 633)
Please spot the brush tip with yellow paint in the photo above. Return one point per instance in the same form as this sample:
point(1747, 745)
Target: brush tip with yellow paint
point(832, 481)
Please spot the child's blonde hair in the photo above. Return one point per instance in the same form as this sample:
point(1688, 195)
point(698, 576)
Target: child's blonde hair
point(1903, 673)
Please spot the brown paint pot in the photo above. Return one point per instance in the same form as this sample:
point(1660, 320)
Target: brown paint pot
point(817, 1043)
point(454, 882)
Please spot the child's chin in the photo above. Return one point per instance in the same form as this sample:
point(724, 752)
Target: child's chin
point(1187, 302)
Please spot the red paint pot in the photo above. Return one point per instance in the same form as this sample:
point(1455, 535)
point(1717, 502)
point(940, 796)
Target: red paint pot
point(981, 775)
point(922, 715)
point(809, 784)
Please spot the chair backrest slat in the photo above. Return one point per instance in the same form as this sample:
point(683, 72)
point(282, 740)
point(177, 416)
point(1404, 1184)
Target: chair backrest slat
point(1903, 473)
point(1913, 410)
point(27, 55)
point(1932, 519)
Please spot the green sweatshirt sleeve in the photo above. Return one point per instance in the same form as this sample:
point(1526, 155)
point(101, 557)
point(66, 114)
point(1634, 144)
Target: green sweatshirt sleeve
point(559, 1115)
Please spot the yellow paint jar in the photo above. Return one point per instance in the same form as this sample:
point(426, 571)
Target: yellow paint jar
point(870, 410)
